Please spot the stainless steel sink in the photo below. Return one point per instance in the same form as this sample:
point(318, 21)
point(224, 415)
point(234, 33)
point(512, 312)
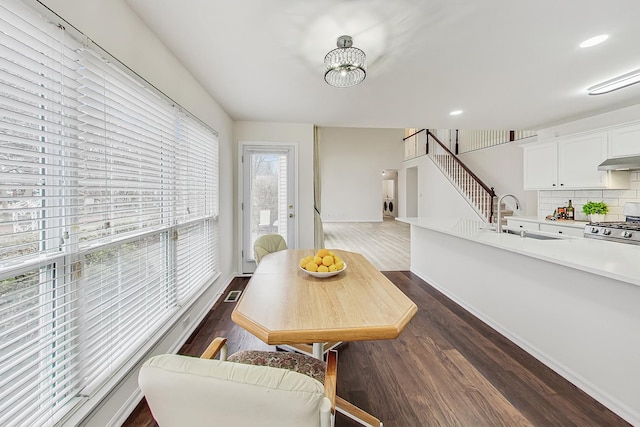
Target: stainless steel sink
point(527, 235)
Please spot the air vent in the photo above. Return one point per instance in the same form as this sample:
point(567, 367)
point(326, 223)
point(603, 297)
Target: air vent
point(233, 296)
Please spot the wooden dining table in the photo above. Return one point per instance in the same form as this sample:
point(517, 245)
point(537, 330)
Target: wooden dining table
point(283, 304)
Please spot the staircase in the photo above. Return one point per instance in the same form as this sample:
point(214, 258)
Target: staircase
point(479, 195)
point(505, 213)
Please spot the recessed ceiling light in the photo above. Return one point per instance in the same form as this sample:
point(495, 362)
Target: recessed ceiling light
point(594, 40)
point(455, 113)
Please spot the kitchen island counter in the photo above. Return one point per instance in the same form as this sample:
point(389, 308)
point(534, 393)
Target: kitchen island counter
point(573, 303)
point(611, 259)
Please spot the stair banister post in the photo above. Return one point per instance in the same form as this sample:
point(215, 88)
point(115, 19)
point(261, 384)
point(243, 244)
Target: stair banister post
point(427, 145)
point(493, 195)
point(457, 142)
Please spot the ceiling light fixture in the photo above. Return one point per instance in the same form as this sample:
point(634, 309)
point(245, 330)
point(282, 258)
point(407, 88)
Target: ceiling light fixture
point(616, 83)
point(455, 113)
point(594, 40)
point(345, 66)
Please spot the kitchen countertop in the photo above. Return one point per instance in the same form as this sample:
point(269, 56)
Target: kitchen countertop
point(539, 220)
point(610, 259)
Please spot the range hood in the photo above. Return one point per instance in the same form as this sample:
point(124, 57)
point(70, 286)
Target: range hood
point(620, 164)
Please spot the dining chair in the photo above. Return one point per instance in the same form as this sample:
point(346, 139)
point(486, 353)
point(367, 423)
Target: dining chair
point(267, 244)
point(248, 388)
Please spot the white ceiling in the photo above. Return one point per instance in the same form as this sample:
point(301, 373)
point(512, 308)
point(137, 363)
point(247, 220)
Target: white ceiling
point(508, 64)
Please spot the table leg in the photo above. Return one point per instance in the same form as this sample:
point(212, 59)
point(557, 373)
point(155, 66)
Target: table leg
point(318, 350)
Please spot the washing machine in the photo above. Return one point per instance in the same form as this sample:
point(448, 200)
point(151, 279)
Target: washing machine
point(389, 207)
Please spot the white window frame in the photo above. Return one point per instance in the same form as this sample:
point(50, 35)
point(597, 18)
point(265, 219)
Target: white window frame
point(184, 240)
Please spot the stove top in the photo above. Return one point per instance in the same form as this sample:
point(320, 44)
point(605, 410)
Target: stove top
point(623, 231)
point(620, 225)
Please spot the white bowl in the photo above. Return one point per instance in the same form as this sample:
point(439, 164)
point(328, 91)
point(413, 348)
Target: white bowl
point(323, 275)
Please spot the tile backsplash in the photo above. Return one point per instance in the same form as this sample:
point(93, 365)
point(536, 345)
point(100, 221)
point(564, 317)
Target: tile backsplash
point(549, 200)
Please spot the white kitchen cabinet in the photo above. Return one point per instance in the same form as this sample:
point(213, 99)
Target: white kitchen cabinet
point(563, 230)
point(541, 165)
point(578, 160)
point(624, 141)
point(570, 163)
point(523, 225)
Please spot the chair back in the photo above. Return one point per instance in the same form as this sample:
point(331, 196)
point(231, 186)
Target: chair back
point(187, 391)
point(267, 244)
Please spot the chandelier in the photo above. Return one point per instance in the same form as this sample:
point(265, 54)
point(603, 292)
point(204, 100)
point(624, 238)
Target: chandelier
point(345, 66)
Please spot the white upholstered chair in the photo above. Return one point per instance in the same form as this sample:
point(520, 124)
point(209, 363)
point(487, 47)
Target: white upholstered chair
point(190, 391)
point(267, 244)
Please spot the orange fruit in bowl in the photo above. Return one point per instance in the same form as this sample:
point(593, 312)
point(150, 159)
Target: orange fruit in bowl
point(322, 253)
point(324, 261)
point(306, 260)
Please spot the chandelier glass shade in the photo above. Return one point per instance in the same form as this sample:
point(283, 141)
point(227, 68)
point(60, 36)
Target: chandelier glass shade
point(345, 66)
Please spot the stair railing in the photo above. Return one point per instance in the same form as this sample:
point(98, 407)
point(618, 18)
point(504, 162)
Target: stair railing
point(479, 195)
point(469, 140)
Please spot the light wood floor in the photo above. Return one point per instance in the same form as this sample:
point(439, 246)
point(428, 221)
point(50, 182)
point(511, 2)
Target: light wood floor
point(385, 244)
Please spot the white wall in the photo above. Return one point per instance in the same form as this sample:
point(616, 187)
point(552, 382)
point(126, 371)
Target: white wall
point(351, 165)
point(113, 26)
point(437, 197)
point(410, 179)
point(501, 167)
point(612, 118)
point(301, 135)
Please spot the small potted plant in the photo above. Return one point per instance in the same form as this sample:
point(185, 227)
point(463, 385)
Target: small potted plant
point(595, 211)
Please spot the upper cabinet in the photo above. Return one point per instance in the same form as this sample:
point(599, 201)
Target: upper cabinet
point(578, 160)
point(624, 141)
point(570, 162)
point(541, 165)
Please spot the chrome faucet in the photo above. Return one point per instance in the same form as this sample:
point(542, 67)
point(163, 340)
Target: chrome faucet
point(499, 216)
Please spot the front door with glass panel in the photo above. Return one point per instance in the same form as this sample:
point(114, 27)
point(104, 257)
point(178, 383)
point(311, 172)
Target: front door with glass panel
point(268, 197)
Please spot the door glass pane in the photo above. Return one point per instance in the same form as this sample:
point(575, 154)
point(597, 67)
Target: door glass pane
point(268, 210)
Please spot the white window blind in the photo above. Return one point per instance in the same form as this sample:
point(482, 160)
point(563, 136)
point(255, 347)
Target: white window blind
point(108, 216)
point(195, 241)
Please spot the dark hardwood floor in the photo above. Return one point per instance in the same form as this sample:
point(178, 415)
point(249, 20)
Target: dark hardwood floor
point(447, 368)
